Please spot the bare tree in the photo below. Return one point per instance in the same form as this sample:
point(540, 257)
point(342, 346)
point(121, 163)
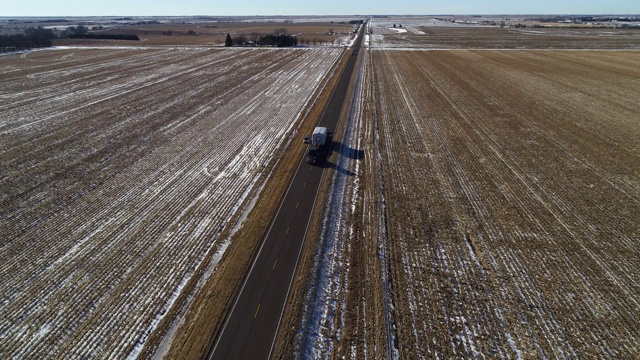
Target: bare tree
point(240, 40)
point(254, 36)
point(280, 32)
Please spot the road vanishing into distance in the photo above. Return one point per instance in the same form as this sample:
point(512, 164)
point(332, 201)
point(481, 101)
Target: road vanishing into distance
point(250, 328)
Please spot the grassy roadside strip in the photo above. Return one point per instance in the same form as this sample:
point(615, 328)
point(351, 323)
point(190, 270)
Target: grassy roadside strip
point(285, 338)
point(206, 314)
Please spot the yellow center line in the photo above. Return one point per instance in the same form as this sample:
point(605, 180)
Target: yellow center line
point(274, 265)
point(257, 310)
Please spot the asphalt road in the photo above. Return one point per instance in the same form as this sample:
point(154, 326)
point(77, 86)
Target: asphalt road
point(250, 328)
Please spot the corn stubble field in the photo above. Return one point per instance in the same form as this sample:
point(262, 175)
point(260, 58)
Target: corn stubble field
point(494, 212)
point(511, 193)
point(119, 169)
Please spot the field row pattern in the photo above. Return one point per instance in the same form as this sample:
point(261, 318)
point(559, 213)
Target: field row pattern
point(512, 193)
point(119, 169)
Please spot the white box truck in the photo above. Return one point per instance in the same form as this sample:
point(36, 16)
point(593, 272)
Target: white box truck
point(318, 141)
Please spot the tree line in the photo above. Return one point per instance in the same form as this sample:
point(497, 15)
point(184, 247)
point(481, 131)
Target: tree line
point(104, 36)
point(32, 38)
point(82, 32)
point(40, 37)
point(279, 38)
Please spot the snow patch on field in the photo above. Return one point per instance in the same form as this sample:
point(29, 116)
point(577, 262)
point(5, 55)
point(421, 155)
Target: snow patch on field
point(122, 173)
point(324, 310)
point(493, 251)
point(166, 342)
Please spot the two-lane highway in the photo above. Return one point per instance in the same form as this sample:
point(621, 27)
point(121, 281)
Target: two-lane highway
point(250, 328)
point(252, 324)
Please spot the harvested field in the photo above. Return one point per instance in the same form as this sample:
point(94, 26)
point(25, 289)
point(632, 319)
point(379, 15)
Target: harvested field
point(419, 36)
point(192, 30)
point(119, 170)
point(214, 33)
point(498, 212)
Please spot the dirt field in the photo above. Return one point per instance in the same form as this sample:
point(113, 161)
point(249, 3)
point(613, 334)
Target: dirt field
point(122, 173)
point(494, 211)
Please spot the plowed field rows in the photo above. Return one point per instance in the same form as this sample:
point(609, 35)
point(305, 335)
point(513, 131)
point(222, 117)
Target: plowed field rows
point(499, 212)
point(119, 168)
point(512, 187)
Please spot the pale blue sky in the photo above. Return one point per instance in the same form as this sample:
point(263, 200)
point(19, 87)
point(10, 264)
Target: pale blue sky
point(328, 7)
